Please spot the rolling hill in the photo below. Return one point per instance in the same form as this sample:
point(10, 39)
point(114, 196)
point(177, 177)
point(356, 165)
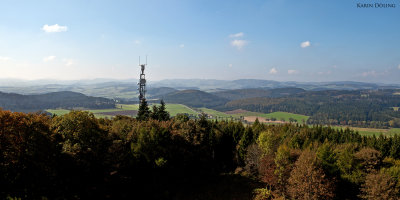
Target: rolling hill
point(257, 92)
point(66, 99)
point(194, 98)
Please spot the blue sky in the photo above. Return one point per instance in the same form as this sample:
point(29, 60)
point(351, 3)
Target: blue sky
point(296, 40)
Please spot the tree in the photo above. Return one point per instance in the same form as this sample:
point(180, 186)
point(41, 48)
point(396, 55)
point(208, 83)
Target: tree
point(163, 115)
point(182, 117)
point(268, 142)
point(28, 155)
point(307, 180)
point(283, 167)
point(252, 159)
point(327, 157)
point(379, 186)
point(144, 111)
point(81, 133)
point(267, 169)
point(245, 141)
point(155, 114)
point(368, 159)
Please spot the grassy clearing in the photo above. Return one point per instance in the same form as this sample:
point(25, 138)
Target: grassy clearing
point(175, 109)
point(58, 111)
point(128, 106)
point(277, 115)
point(215, 113)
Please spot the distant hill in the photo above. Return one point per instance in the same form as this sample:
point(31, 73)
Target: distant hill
point(66, 100)
point(257, 92)
point(127, 89)
point(151, 92)
point(194, 98)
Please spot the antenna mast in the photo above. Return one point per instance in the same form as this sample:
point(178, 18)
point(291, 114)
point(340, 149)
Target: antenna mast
point(142, 82)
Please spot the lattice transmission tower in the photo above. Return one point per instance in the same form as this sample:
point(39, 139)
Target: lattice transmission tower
point(142, 82)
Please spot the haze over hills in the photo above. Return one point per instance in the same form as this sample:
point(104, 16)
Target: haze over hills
point(127, 89)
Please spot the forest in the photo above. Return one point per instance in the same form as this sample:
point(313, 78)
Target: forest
point(52, 100)
point(153, 156)
point(362, 108)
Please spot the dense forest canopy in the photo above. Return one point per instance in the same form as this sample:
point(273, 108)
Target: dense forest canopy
point(77, 156)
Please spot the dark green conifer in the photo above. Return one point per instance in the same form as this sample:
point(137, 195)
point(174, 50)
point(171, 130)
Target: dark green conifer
point(144, 111)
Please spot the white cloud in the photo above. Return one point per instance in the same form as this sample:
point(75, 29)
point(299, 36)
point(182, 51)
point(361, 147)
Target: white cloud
point(292, 71)
point(239, 44)
point(49, 58)
point(4, 58)
point(137, 42)
point(241, 34)
point(398, 67)
point(273, 71)
point(68, 62)
point(230, 65)
point(182, 45)
point(305, 44)
point(54, 28)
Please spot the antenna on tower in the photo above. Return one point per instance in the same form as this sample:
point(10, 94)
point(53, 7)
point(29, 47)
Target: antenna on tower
point(142, 81)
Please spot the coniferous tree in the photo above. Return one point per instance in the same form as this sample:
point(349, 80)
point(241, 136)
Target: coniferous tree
point(144, 111)
point(163, 115)
point(155, 114)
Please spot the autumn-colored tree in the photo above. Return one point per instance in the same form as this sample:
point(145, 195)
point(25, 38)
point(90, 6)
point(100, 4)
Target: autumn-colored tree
point(368, 159)
point(379, 186)
point(81, 133)
point(267, 169)
point(252, 160)
point(307, 179)
point(28, 155)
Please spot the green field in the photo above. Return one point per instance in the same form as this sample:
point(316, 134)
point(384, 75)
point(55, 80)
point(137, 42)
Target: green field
point(215, 113)
point(173, 109)
point(278, 115)
point(58, 111)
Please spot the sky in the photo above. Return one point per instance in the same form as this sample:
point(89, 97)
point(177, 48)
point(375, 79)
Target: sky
point(283, 40)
